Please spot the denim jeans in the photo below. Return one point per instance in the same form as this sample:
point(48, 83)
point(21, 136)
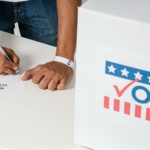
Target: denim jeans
point(37, 19)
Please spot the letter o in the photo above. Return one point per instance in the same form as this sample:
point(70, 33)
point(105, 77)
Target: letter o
point(139, 100)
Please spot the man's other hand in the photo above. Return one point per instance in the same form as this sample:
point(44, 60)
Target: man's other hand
point(52, 75)
point(7, 67)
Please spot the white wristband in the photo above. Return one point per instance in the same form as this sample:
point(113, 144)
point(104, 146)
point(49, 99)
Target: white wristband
point(65, 61)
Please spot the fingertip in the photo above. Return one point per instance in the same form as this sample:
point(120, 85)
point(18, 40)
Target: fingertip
point(16, 68)
point(26, 77)
point(51, 88)
point(22, 76)
point(61, 86)
point(41, 87)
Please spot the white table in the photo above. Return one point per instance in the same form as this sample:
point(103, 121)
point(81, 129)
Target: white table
point(38, 119)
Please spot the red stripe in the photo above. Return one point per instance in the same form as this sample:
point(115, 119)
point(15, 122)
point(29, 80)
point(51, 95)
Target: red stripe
point(138, 111)
point(106, 102)
point(127, 108)
point(148, 114)
point(116, 105)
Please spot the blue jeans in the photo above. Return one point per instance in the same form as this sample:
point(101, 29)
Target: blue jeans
point(37, 19)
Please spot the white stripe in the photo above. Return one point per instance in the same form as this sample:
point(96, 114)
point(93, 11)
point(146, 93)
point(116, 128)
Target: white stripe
point(64, 61)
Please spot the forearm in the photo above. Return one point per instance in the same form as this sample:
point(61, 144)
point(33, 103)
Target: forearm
point(67, 27)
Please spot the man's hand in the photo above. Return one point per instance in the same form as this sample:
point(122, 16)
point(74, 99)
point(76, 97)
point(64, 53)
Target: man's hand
point(52, 75)
point(7, 67)
point(55, 75)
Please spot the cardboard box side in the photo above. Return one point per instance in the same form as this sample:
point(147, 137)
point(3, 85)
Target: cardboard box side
point(95, 29)
point(130, 36)
point(137, 10)
point(113, 136)
point(85, 90)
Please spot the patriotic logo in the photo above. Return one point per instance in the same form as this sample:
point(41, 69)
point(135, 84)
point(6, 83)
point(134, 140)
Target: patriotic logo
point(136, 105)
point(69, 62)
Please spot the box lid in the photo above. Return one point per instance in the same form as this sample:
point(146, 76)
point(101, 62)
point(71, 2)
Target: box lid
point(137, 10)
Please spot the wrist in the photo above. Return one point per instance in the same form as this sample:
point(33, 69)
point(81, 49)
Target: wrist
point(65, 61)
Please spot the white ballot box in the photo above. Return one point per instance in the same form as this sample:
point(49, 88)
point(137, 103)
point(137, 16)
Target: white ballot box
point(112, 100)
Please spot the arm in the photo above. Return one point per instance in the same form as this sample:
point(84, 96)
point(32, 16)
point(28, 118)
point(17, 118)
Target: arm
point(67, 27)
point(55, 75)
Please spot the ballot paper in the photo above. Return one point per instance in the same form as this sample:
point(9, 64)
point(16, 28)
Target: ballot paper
point(12, 84)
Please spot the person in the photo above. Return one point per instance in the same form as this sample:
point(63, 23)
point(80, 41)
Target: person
point(53, 22)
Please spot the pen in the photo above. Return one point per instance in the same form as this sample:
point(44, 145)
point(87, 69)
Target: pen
point(6, 56)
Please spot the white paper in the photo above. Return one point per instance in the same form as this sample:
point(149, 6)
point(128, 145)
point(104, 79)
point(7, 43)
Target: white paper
point(12, 84)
